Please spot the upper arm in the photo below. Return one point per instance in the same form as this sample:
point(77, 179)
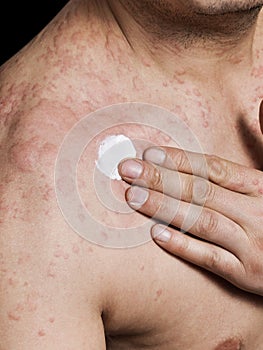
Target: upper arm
point(68, 333)
point(45, 305)
point(50, 281)
point(50, 297)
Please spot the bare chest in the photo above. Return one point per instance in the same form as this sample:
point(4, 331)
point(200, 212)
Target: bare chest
point(224, 123)
point(36, 171)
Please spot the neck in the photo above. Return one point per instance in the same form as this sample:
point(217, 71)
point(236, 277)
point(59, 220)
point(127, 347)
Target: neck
point(166, 32)
point(212, 46)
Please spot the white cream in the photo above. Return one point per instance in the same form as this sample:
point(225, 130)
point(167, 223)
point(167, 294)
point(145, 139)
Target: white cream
point(112, 150)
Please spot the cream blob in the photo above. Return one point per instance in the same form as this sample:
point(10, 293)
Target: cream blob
point(112, 150)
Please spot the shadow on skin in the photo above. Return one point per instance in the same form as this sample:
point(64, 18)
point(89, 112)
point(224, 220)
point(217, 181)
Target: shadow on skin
point(252, 142)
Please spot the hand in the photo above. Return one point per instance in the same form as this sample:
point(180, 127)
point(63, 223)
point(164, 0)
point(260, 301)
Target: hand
point(215, 216)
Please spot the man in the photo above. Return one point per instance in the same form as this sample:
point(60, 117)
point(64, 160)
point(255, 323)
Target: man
point(201, 60)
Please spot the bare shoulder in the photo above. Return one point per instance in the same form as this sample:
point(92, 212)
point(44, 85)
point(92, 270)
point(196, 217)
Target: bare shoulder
point(58, 288)
point(51, 279)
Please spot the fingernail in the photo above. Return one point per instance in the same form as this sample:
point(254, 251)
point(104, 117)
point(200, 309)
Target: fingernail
point(155, 155)
point(131, 168)
point(137, 196)
point(159, 233)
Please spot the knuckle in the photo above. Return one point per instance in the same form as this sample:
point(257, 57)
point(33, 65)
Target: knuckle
point(207, 224)
point(228, 269)
point(213, 260)
point(188, 189)
point(180, 160)
point(254, 264)
point(253, 271)
point(157, 179)
point(221, 264)
point(217, 169)
point(203, 190)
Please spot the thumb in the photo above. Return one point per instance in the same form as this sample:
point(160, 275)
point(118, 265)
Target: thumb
point(261, 116)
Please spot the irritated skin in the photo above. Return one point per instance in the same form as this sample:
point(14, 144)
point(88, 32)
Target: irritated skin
point(58, 290)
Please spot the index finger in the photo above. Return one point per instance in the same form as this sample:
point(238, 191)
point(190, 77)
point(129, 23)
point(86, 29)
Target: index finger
point(222, 172)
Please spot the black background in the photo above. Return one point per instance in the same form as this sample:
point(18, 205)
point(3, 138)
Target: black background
point(21, 20)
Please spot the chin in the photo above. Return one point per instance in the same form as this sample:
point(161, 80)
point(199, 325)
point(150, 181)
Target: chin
point(217, 7)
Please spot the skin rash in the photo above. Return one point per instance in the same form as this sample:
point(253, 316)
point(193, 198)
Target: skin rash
point(58, 289)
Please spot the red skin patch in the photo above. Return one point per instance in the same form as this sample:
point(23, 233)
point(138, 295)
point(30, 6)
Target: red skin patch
point(61, 254)
point(230, 344)
point(25, 155)
point(75, 249)
point(41, 333)
point(13, 316)
point(158, 294)
point(51, 270)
